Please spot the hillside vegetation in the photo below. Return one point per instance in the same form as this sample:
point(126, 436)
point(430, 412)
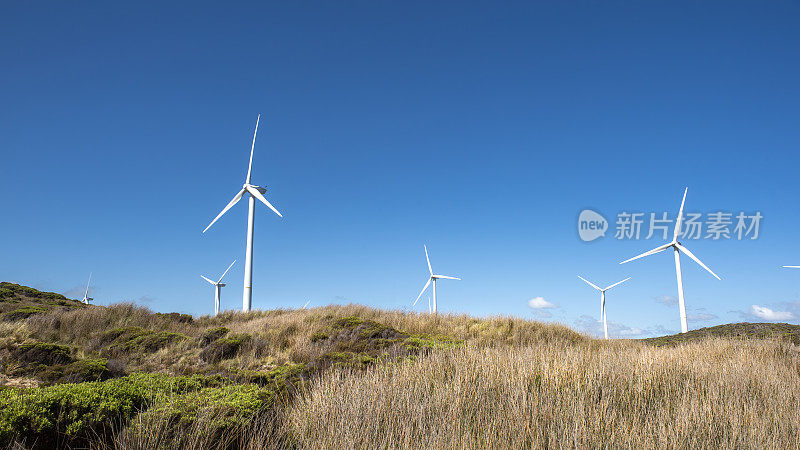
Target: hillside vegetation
point(123, 377)
point(780, 331)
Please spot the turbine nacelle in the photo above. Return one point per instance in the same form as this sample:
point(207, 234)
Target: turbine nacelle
point(260, 189)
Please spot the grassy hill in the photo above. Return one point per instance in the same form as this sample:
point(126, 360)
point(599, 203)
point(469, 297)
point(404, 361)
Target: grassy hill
point(124, 377)
point(781, 331)
point(20, 302)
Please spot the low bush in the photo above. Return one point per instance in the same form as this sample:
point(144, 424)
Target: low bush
point(42, 353)
point(46, 417)
point(223, 348)
point(22, 313)
point(128, 339)
point(221, 409)
point(212, 335)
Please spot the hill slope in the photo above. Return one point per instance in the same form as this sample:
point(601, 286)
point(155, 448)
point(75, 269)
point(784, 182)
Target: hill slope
point(20, 302)
point(744, 330)
point(125, 377)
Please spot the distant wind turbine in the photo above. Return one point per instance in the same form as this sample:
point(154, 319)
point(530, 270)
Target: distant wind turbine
point(675, 245)
point(432, 279)
point(253, 192)
point(86, 298)
point(218, 289)
point(603, 300)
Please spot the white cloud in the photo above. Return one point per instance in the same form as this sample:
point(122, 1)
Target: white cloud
point(540, 303)
point(768, 314)
point(700, 317)
point(594, 327)
point(631, 331)
point(667, 300)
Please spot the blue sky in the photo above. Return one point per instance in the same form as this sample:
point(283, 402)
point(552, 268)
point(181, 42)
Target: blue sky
point(479, 129)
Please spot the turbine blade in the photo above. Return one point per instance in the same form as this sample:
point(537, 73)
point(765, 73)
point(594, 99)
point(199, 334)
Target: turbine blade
point(589, 283)
point(792, 267)
point(617, 284)
point(226, 271)
point(261, 198)
point(648, 253)
point(447, 278)
point(201, 276)
point(250, 166)
point(422, 291)
point(691, 255)
point(304, 306)
point(428, 259)
point(679, 220)
point(235, 200)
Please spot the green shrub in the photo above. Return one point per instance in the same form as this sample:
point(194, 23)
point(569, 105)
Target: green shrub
point(152, 341)
point(75, 412)
point(347, 322)
point(280, 379)
point(93, 369)
point(221, 410)
point(223, 348)
point(176, 317)
point(128, 339)
point(213, 335)
point(26, 291)
point(7, 293)
point(23, 313)
point(42, 353)
point(318, 336)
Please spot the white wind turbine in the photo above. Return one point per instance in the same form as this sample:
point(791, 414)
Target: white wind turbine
point(678, 248)
point(603, 300)
point(86, 298)
point(433, 279)
point(792, 267)
point(254, 192)
point(218, 289)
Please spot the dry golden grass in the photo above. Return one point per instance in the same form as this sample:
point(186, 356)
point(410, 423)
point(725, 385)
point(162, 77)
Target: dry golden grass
point(714, 394)
point(278, 336)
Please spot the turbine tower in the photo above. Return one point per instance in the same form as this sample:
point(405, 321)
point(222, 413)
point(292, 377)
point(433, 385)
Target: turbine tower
point(678, 248)
point(86, 298)
point(603, 300)
point(432, 279)
point(218, 289)
point(253, 192)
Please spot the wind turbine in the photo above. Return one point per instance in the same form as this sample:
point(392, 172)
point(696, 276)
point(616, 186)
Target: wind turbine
point(792, 267)
point(218, 289)
point(603, 300)
point(433, 279)
point(86, 298)
point(678, 248)
point(253, 192)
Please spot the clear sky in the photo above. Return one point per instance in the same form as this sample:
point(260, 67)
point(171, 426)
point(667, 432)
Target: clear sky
point(480, 129)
